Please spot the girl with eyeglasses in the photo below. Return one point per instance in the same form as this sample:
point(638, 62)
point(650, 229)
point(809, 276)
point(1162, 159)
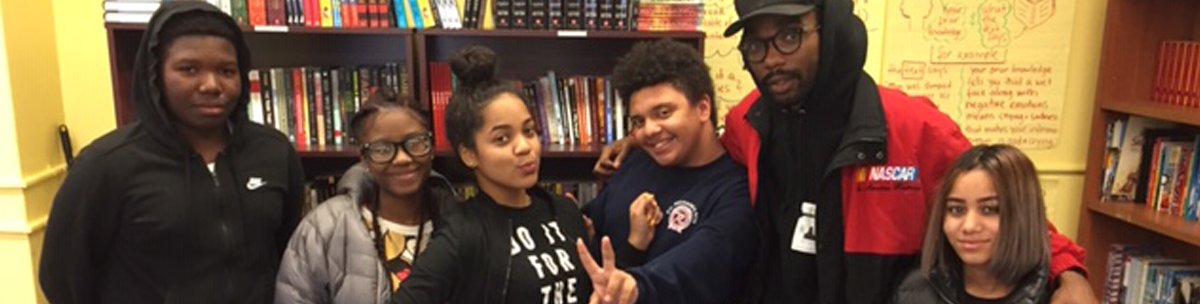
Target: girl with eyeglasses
point(515, 242)
point(359, 246)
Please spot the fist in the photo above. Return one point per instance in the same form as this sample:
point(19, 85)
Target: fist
point(644, 215)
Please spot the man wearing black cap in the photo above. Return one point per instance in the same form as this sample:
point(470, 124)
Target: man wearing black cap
point(839, 168)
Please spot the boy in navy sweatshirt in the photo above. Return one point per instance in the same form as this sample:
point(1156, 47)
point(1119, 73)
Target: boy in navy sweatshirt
point(677, 211)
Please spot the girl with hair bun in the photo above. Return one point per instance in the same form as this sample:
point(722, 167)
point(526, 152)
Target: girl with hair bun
point(515, 242)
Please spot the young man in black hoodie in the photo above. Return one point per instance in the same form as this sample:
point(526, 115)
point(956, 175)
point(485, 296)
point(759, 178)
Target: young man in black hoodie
point(191, 204)
point(839, 168)
point(678, 212)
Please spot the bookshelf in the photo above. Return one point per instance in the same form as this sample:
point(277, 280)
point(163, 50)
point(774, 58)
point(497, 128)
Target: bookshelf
point(1133, 33)
point(274, 47)
point(527, 54)
point(524, 54)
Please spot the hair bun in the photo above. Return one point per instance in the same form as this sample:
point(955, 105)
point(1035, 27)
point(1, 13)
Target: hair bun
point(474, 65)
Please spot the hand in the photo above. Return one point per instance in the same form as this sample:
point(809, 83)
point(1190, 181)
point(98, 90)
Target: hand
point(644, 215)
point(611, 157)
point(591, 229)
point(1073, 288)
point(609, 284)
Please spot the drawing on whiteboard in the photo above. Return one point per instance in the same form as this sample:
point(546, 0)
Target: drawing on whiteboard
point(916, 11)
point(997, 67)
point(997, 22)
point(1032, 13)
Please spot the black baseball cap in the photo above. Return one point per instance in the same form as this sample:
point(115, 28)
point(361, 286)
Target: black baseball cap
point(747, 9)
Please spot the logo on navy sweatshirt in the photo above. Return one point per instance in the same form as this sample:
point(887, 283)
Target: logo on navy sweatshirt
point(681, 215)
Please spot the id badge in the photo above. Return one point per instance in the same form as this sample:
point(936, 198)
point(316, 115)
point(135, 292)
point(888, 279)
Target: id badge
point(804, 239)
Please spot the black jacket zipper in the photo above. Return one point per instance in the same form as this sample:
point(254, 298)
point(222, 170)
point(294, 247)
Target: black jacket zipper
point(225, 233)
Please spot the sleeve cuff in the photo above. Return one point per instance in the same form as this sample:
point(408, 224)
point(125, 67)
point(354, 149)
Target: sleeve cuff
point(627, 256)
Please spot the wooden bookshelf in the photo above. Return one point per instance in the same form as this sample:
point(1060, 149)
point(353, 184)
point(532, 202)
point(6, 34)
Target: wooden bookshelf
point(1158, 110)
point(528, 54)
point(1171, 226)
point(1134, 30)
point(295, 47)
point(524, 54)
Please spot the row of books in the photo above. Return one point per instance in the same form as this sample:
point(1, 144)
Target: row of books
point(310, 13)
point(643, 15)
point(669, 15)
point(311, 105)
point(1142, 274)
point(1177, 76)
point(583, 191)
point(577, 110)
point(573, 110)
point(1153, 163)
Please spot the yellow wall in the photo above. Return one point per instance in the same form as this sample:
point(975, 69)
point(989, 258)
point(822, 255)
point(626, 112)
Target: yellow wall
point(31, 164)
point(1062, 167)
point(86, 81)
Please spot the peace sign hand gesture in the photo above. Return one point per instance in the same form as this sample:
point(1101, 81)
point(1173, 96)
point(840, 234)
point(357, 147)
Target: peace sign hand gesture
point(609, 284)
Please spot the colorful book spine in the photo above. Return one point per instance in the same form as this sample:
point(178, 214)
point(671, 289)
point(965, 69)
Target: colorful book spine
point(256, 12)
point(428, 20)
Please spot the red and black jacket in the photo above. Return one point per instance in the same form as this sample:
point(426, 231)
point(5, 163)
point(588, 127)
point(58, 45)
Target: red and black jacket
point(883, 209)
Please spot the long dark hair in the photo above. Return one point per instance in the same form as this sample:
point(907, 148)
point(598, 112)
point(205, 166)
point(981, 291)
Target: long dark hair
point(386, 99)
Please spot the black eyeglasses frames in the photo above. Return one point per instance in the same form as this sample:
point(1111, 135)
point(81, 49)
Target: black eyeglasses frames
point(785, 41)
point(382, 152)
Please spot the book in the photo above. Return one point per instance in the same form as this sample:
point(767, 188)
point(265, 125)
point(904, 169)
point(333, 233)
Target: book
point(335, 12)
point(487, 22)
point(520, 13)
point(1140, 276)
point(256, 11)
point(1126, 176)
point(255, 107)
point(1151, 150)
point(275, 12)
point(267, 85)
point(573, 13)
point(537, 10)
point(503, 13)
point(1188, 291)
point(554, 14)
point(1118, 257)
point(428, 20)
point(591, 15)
point(327, 106)
point(300, 107)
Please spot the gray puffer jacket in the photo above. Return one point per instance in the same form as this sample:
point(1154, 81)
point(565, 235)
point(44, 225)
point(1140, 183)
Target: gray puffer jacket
point(331, 257)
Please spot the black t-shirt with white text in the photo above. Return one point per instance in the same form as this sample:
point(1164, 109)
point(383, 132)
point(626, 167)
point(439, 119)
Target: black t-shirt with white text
point(545, 267)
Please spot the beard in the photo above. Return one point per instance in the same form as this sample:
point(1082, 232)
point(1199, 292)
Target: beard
point(794, 97)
